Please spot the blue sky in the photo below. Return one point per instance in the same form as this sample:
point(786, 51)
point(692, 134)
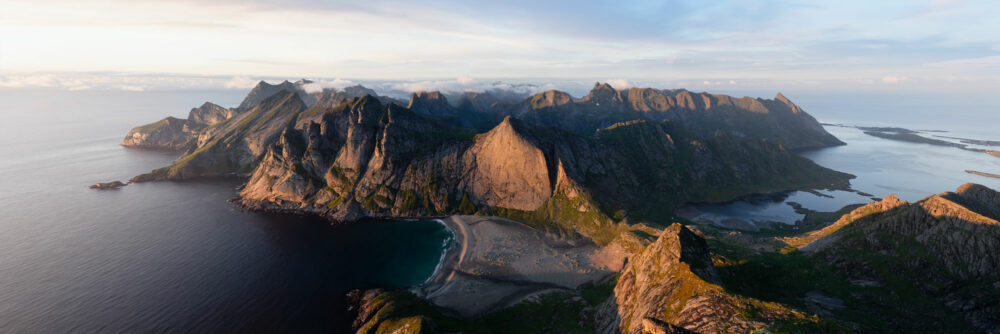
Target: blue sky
point(935, 45)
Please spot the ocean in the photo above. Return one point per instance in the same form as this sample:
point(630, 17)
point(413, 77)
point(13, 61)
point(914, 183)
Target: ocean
point(167, 257)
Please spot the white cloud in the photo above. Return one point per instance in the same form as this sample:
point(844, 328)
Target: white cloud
point(241, 83)
point(319, 85)
point(619, 84)
point(461, 84)
point(893, 79)
point(130, 88)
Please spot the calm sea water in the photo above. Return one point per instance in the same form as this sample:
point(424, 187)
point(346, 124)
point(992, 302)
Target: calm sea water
point(883, 167)
point(166, 257)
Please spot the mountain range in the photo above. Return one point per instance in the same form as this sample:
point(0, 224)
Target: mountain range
point(370, 156)
point(610, 168)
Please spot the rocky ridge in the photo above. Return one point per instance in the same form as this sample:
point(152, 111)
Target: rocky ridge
point(945, 245)
point(673, 284)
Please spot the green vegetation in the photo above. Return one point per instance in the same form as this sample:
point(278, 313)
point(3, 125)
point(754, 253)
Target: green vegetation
point(899, 305)
point(408, 200)
point(558, 312)
point(336, 202)
point(465, 206)
point(561, 215)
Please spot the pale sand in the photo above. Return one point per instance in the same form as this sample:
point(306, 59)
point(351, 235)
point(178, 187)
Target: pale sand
point(498, 262)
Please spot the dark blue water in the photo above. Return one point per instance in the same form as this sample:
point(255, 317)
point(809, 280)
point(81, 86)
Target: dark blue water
point(166, 257)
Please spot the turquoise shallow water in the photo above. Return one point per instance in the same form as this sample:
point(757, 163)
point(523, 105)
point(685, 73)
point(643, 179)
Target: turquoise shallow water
point(167, 257)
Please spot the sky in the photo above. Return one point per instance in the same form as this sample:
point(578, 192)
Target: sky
point(927, 46)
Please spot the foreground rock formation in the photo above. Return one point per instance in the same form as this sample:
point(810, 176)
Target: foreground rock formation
point(673, 283)
point(945, 245)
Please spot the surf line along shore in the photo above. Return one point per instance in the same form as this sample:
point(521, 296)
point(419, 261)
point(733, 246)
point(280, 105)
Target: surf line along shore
point(497, 262)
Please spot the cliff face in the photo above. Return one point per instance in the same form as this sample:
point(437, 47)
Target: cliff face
point(264, 90)
point(209, 114)
point(331, 97)
point(367, 159)
point(672, 283)
point(178, 134)
point(168, 133)
point(236, 145)
point(944, 245)
point(430, 103)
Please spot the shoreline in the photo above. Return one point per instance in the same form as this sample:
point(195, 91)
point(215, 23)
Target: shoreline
point(459, 243)
point(496, 263)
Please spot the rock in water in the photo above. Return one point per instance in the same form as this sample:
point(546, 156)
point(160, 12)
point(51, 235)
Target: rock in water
point(108, 185)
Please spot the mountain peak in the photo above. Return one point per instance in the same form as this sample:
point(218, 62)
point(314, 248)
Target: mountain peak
point(781, 98)
point(603, 93)
point(430, 103)
point(550, 98)
point(602, 86)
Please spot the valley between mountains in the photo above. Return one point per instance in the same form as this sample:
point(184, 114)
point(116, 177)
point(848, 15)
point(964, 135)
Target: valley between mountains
point(564, 210)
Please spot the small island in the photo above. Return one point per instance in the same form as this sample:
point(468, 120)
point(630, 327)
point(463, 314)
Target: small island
point(983, 174)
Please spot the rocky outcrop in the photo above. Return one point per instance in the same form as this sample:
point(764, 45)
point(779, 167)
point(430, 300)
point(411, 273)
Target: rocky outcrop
point(377, 313)
point(430, 103)
point(264, 90)
point(944, 245)
point(169, 134)
point(108, 185)
point(177, 134)
point(672, 287)
point(332, 97)
point(208, 114)
point(235, 146)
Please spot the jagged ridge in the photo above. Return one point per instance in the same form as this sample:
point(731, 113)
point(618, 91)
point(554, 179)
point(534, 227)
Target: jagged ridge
point(944, 245)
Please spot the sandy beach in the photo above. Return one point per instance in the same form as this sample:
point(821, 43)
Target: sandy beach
point(497, 262)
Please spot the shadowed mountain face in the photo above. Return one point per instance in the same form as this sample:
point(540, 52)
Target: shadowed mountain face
point(943, 245)
point(263, 90)
point(778, 120)
point(234, 146)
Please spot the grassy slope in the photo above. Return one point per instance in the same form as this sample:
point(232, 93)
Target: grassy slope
point(559, 312)
point(785, 277)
